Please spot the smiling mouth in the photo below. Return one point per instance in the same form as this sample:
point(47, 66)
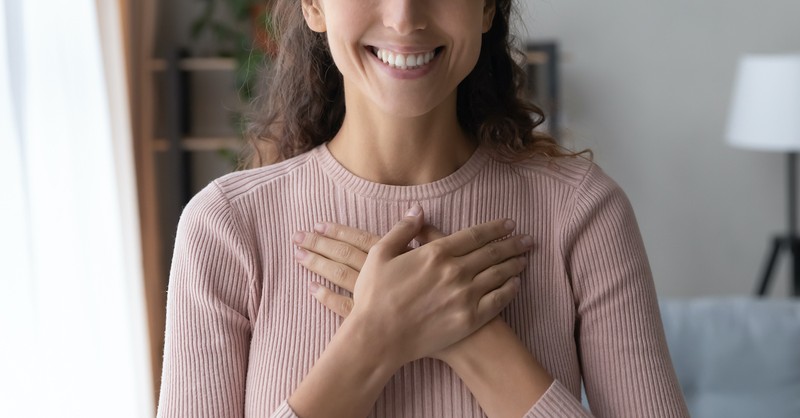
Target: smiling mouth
point(404, 61)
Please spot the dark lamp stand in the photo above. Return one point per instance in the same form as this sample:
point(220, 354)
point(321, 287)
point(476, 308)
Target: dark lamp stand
point(790, 242)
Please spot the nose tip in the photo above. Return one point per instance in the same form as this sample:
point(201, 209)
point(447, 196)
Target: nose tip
point(405, 16)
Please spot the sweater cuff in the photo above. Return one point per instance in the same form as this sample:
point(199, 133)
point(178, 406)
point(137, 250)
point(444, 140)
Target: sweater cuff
point(557, 402)
point(284, 411)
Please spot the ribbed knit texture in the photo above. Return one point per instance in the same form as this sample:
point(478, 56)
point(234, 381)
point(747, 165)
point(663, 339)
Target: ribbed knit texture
point(242, 330)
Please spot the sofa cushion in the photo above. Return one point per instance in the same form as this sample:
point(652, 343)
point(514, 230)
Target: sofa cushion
point(736, 357)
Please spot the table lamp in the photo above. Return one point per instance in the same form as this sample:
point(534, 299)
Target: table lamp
point(765, 115)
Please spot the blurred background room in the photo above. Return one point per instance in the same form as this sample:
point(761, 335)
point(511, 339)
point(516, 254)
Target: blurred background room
point(113, 113)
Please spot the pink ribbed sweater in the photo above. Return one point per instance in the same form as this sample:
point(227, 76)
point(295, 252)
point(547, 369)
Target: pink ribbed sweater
point(242, 330)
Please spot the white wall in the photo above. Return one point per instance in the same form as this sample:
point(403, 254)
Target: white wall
point(646, 85)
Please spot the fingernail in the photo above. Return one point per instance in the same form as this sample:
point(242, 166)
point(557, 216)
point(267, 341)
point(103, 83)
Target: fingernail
point(527, 241)
point(300, 253)
point(313, 287)
point(298, 237)
point(321, 228)
point(510, 225)
point(414, 211)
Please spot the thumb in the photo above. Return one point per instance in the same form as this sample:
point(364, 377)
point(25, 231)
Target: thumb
point(396, 241)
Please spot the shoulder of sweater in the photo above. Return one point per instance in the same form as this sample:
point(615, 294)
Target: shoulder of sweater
point(574, 172)
point(239, 183)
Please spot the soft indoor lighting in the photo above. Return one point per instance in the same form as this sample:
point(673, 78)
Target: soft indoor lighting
point(765, 109)
point(765, 115)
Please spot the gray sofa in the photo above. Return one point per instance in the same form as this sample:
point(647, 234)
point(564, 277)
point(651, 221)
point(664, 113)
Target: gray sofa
point(736, 357)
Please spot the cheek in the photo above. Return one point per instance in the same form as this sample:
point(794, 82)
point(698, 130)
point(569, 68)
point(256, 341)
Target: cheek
point(343, 42)
point(466, 56)
point(342, 54)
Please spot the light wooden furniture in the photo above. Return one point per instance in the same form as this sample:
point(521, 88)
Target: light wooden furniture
point(161, 160)
point(143, 16)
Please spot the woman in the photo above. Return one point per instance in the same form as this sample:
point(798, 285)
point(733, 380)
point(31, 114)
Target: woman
point(405, 113)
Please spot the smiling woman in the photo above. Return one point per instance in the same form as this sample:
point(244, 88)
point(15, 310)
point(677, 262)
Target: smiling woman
point(480, 268)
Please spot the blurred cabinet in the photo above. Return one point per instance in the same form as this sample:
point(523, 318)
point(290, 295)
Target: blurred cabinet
point(179, 110)
point(542, 62)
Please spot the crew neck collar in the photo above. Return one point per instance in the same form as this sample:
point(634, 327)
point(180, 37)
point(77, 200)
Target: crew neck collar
point(346, 179)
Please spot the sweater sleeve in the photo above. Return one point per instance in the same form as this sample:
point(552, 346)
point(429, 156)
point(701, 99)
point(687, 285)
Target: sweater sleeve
point(626, 367)
point(209, 310)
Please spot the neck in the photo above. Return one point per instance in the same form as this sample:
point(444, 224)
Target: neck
point(395, 150)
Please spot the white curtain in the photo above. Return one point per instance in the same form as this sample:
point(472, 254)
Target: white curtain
point(73, 338)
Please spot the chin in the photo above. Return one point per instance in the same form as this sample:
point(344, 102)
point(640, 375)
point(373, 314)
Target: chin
point(406, 112)
point(410, 107)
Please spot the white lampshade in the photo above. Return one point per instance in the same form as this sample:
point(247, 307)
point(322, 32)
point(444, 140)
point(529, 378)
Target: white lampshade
point(765, 110)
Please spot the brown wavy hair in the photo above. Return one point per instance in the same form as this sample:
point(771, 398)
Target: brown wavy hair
point(302, 104)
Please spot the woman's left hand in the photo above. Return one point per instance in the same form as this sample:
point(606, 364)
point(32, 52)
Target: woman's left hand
point(337, 253)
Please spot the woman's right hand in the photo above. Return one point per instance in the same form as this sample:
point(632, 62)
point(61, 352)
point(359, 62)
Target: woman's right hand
point(419, 302)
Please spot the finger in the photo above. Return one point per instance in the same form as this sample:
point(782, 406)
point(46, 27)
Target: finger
point(358, 238)
point(496, 252)
point(490, 305)
point(331, 249)
point(396, 241)
point(339, 304)
point(472, 238)
point(337, 273)
point(497, 275)
point(428, 234)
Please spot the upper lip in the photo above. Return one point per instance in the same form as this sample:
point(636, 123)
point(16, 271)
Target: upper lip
point(406, 49)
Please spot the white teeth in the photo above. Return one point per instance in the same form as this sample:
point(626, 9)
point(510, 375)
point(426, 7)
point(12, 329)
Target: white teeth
point(403, 61)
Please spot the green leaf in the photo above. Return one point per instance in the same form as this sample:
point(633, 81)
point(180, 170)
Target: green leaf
point(224, 32)
point(201, 23)
point(241, 8)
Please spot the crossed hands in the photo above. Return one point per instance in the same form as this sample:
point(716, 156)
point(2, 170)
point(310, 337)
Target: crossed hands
point(422, 302)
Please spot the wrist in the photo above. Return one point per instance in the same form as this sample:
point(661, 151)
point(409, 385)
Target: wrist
point(499, 370)
point(349, 375)
point(472, 346)
point(370, 342)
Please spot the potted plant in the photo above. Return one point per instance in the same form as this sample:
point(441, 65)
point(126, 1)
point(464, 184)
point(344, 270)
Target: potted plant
point(243, 30)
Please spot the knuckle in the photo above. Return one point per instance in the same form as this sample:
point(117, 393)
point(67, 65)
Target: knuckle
point(493, 252)
point(511, 267)
point(312, 241)
point(312, 262)
point(346, 306)
point(339, 275)
point(498, 272)
point(323, 296)
point(344, 251)
point(454, 270)
point(476, 235)
point(467, 319)
point(362, 240)
point(496, 301)
point(336, 232)
point(522, 262)
point(436, 251)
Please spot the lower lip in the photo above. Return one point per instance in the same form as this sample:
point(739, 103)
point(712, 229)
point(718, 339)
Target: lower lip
point(405, 74)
